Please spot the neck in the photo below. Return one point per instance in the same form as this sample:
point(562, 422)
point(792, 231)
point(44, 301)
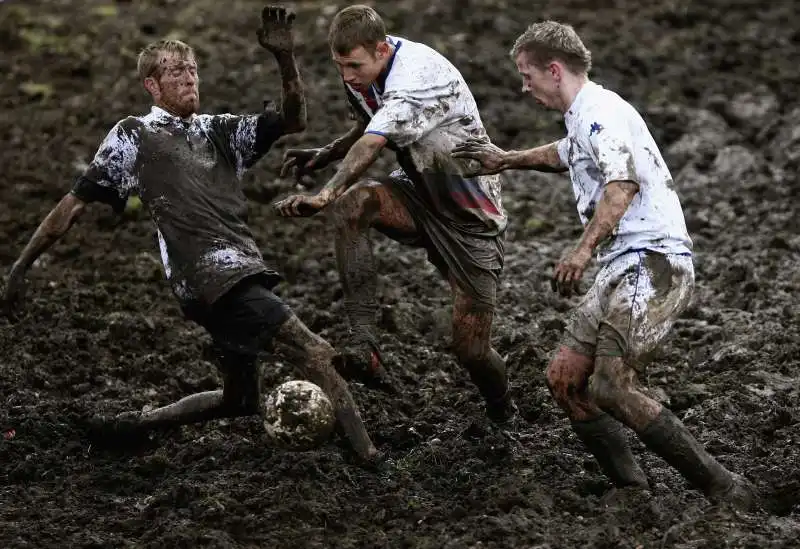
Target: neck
point(571, 85)
point(172, 111)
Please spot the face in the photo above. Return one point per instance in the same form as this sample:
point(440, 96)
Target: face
point(360, 68)
point(541, 83)
point(175, 85)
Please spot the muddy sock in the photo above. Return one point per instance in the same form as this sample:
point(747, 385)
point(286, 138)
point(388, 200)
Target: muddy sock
point(668, 437)
point(191, 409)
point(605, 438)
point(357, 270)
point(489, 376)
point(347, 417)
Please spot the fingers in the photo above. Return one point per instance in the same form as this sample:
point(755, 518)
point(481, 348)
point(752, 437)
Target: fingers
point(566, 280)
point(277, 14)
point(295, 206)
point(287, 166)
point(301, 160)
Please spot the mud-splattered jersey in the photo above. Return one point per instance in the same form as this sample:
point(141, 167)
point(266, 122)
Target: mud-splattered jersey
point(424, 108)
point(607, 140)
point(188, 173)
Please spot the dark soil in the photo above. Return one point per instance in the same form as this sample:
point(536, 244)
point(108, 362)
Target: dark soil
point(716, 80)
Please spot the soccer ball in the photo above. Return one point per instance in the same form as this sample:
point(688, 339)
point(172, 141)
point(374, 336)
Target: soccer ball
point(298, 416)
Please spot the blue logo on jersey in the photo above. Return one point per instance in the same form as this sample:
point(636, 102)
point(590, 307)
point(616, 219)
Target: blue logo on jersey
point(595, 128)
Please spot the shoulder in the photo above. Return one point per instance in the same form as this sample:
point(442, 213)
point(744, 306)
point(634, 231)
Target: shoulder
point(418, 65)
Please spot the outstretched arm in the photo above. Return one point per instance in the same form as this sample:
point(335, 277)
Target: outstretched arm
point(275, 35)
point(493, 159)
point(357, 160)
point(53, 227)
point(293, 98)
point(305, 161)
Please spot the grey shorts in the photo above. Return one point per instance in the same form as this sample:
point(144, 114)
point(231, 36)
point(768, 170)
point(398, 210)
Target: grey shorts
point(472, 258)
point(631, 307)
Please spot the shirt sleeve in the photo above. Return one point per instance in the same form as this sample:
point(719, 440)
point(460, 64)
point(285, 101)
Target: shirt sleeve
point(562, 146)
point(612, 146)
point(111, 176)
point(408, 115)
point(249, 137)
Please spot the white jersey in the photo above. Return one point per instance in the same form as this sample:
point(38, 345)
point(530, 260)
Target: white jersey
point(424, 108)
point(607, 140)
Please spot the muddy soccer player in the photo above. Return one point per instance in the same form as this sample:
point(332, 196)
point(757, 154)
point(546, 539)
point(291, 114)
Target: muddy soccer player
point(187, 168)
point(408, 98)
point(634, 223)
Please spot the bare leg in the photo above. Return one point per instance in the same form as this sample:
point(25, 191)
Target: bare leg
point(568, 379)
point(366, 205)
point(315, 356)
point(240, 396)
point(472, 330)
point(613, 387)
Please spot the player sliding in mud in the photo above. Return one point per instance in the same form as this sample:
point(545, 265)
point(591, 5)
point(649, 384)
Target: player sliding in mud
point(634, 223)
point(187, 169)
point(409, 98)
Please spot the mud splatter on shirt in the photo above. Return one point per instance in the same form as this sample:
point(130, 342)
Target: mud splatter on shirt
point(424, 108)
point(607, 140)
point(188, 174)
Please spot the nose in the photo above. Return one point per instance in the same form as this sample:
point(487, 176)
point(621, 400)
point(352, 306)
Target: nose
point(349, 76)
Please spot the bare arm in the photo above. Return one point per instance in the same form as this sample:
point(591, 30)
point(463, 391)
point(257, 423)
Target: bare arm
point(53, 227)
point(338, 148)
point(543, 159)
point(293, 98)
point(493, 159)
point(617, 196)
point(358, 159)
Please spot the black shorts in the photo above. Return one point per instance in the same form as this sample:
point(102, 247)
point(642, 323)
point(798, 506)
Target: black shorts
point(242, 322)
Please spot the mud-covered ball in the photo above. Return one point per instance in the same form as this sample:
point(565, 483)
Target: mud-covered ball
point(298, 415)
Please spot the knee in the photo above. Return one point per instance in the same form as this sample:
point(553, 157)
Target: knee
point(605, 389)
point(567, 373)
point(353, 208)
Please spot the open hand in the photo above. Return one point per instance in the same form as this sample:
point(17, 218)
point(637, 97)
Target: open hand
point(490, 156)
point(275, 33)
point(300, 205)
point(304, 161)
point(569, 271)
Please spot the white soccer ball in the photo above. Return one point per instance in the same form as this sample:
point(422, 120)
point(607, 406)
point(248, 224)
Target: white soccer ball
point(298, 415)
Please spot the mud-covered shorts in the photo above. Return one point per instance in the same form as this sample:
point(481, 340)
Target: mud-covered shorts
point(242, 324)
point(631, 306)
point(474, 261)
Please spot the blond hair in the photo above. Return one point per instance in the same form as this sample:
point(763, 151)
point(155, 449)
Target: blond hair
point(356, 26)
point(148, 62)
point(549, 41)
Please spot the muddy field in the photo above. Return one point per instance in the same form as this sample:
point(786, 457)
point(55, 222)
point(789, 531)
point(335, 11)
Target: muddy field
point(718, 85)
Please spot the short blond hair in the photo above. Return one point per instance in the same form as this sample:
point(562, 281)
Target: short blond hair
point(355, 26)
point(148, 62)
point(549, 41)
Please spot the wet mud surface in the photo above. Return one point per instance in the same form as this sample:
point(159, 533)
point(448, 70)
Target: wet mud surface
point(101, 333)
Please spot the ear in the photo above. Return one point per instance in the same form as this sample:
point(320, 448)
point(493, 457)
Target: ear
point(556, 70)
point(151, 85)
point(382, 49)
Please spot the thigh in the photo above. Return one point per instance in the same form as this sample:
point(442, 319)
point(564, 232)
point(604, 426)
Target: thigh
point(645, 305)
point(245, 320)
point(583, 322)
point(375, 204)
